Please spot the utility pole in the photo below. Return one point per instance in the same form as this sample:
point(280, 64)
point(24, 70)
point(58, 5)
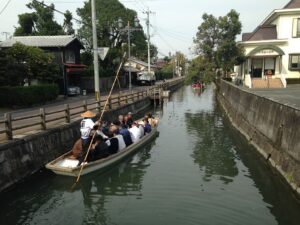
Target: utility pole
point(148, 12)
point(6, 34)
point(129, 56)
point(95, 50)
point(129, 29)
point(174, 61)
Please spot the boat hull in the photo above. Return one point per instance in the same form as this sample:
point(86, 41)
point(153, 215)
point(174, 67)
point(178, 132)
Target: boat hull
point(101, 164)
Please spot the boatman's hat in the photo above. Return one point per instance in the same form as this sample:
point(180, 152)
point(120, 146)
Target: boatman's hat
point(88, 114)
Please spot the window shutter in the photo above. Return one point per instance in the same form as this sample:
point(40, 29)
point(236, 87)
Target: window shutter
point(295, 22)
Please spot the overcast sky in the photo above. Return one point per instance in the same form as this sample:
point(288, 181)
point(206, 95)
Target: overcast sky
point(174, 22)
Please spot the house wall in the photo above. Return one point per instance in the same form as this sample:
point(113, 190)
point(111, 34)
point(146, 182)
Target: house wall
point(74, 47)
point(284, 26)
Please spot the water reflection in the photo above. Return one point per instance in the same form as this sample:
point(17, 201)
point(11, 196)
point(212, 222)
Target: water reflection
point(213, 149)
point(125, 180)
point(283, 204)
point(53, 201)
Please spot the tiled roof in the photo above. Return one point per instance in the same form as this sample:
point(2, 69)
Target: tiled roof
point(41, 41)
point(292, 4)
point(261, 33)
point(246, 36)
point(140, 62)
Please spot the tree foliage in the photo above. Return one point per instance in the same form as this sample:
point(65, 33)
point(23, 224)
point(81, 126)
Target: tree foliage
point(200, 69)
point(41, 21)
point(68, 25)
point(173, 65)
point(216, 41)
point(110, 35)
point(26, 63)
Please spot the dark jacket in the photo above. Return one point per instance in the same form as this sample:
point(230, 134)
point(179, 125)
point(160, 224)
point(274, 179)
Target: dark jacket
point(100, 151)
point(126, 135)
point(114, 146)
point(147, 128)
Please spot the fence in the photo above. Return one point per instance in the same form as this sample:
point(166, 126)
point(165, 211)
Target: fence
point(12, 126)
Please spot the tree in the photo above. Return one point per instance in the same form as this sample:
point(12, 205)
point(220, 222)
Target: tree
point(200, 69)
point(228, 53)
point(110, 35)
point(26, 22)
point(216, 41)
point(68, 25)
point(207, 38)
point(25, 62)
point(39, 22)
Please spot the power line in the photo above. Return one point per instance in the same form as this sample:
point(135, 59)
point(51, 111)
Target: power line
point(53, 9)
point(5, 6)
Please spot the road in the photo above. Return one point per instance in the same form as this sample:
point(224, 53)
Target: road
point(288, 96)
point(32, 124)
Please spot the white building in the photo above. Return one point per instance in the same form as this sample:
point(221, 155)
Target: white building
point(273, 49)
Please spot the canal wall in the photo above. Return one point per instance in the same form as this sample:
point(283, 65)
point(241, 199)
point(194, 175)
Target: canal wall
point(273, 128)
point(21, 158)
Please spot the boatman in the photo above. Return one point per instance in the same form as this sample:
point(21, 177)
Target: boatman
point(86, 126)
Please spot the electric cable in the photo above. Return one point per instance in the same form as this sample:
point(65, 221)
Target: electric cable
point(5, 6)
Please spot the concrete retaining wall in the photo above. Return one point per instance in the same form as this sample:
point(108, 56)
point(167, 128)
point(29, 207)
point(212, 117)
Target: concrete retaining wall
point(21, 158)
point(273, 128)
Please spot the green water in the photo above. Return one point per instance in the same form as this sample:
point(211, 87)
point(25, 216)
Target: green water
point(198, 171)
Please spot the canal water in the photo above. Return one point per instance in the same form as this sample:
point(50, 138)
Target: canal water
point(198, 171)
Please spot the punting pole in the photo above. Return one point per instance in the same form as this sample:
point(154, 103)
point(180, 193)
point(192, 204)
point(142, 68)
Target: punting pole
point(102, 113)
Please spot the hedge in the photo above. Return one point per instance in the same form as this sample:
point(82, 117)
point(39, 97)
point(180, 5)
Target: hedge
point(163, 75)
point(27, 96)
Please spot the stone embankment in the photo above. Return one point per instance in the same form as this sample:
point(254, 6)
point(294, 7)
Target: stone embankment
point(20, 158)
point(272, 127)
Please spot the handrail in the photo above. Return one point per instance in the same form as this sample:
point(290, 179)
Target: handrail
point(43, 118)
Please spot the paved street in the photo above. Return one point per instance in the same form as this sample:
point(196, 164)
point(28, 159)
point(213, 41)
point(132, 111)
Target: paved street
point(59, 103)
point(288, 96)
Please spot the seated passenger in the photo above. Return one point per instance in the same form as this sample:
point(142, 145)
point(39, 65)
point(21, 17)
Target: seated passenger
point(100, 149)
point(135, 133)
point(112, 130)
point(77, 150)
point(147, 126)
point(100, 130)
point(129, 119)
point(126, 135)
point(121, 141)
point(152, 121)
point(142, 131)
point(121, 119)
point(113, 145)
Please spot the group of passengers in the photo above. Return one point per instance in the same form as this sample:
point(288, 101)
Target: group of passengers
point(109, 137)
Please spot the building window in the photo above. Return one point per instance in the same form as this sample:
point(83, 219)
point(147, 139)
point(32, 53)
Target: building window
point(294, 62)
point(69, 56)
point(296, 28)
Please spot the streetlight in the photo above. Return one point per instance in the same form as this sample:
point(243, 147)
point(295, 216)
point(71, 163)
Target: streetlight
point(129, 29)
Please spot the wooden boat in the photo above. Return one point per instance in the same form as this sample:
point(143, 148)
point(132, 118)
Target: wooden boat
point(68, 167)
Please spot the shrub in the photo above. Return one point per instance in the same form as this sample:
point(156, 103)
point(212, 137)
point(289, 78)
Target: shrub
point(160, 75)
point(27, 96)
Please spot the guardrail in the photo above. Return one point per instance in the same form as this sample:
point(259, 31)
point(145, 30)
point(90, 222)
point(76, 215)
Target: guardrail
point(11, 126)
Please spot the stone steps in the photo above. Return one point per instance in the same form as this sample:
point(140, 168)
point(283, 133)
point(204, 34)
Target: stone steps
point(267, 83)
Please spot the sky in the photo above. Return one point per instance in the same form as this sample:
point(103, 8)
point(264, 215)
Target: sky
point(173, 22)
